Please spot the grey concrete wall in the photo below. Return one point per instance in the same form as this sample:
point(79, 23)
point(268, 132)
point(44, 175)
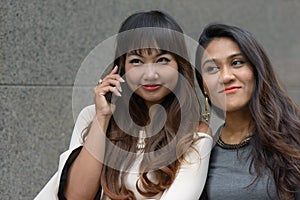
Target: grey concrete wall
point(43, 43)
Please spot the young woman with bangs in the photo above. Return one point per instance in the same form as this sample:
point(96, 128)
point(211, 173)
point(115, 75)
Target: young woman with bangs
point(142, 139)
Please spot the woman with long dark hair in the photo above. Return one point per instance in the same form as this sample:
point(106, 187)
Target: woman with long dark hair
point(257, 155)
point(142, 139)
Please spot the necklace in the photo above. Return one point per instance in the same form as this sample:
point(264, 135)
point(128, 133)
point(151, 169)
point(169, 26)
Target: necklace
point(224, 145)
point(141, 141)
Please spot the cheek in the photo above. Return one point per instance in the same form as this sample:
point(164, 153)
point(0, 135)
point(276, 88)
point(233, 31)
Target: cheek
point(171, 79)
point(212, 87)
point(251, 87)
point(210, 84)
point(249, 81)
point(132, 78)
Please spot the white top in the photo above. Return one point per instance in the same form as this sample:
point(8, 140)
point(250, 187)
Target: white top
point(188, 183)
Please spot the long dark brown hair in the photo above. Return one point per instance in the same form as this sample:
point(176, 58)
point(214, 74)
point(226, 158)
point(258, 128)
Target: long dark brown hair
point(276, 118)
point(145, 31)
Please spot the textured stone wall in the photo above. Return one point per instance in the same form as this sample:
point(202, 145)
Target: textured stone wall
point(43, 43)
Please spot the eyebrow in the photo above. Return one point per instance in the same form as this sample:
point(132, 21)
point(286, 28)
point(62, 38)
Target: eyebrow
point(138, 52)
point(231, 56)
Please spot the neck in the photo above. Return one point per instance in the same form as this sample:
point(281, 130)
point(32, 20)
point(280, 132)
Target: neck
point(237, 127)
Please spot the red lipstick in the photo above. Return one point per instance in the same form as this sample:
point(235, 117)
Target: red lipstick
point(230, 89)
point(151, 87)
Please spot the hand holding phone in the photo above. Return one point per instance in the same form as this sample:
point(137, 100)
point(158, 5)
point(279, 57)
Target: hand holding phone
point(117, 86)
point(111, 84)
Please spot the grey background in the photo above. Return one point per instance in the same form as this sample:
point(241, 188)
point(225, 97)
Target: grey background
point(43, 43)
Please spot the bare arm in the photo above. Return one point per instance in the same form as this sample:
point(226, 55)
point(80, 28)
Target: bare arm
point(83, 180)
point(84, 174)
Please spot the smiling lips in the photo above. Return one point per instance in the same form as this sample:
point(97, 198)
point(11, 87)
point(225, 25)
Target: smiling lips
point(151, 87)
point(230, 89)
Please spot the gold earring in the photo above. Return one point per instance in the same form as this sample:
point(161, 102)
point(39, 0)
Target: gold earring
point(206, 114)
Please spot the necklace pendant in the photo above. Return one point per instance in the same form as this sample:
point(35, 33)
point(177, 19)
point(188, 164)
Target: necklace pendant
point(141, 141)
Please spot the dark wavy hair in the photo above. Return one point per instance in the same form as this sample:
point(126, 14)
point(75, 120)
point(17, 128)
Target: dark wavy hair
point(276, 118)
point(148, 31)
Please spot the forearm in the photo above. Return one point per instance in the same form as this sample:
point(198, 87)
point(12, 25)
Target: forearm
point(83, 180)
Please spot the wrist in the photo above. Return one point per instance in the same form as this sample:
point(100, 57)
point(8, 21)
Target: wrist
point(102, 120)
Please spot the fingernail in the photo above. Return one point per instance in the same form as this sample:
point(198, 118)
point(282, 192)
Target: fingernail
point(121, 80)
point(119, 88)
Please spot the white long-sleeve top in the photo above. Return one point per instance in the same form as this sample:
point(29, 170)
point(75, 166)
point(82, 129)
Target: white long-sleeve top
point(188, 184)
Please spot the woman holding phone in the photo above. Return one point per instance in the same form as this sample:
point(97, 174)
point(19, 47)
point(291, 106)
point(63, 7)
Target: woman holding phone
point(142, 139)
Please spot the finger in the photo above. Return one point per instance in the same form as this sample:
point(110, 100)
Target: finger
point(114, 70)
point(100, 91)
point(105, 89)
point(111, 82)
point(115, 75)
point(116, 83)
point(116, 91)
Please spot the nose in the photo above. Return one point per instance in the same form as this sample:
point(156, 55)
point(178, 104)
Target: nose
point(150, 72)
point(226, 75)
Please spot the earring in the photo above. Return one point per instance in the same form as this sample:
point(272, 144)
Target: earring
point(206, 114)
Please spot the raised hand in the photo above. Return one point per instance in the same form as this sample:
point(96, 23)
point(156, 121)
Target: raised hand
point(110, 83)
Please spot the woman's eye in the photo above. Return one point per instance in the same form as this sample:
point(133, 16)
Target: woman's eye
point(211, 69)
point(163, 60)
point(135, 61)
point(238, 63)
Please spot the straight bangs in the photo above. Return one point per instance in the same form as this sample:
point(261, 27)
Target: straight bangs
point(147, 51)
point(149, 38)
